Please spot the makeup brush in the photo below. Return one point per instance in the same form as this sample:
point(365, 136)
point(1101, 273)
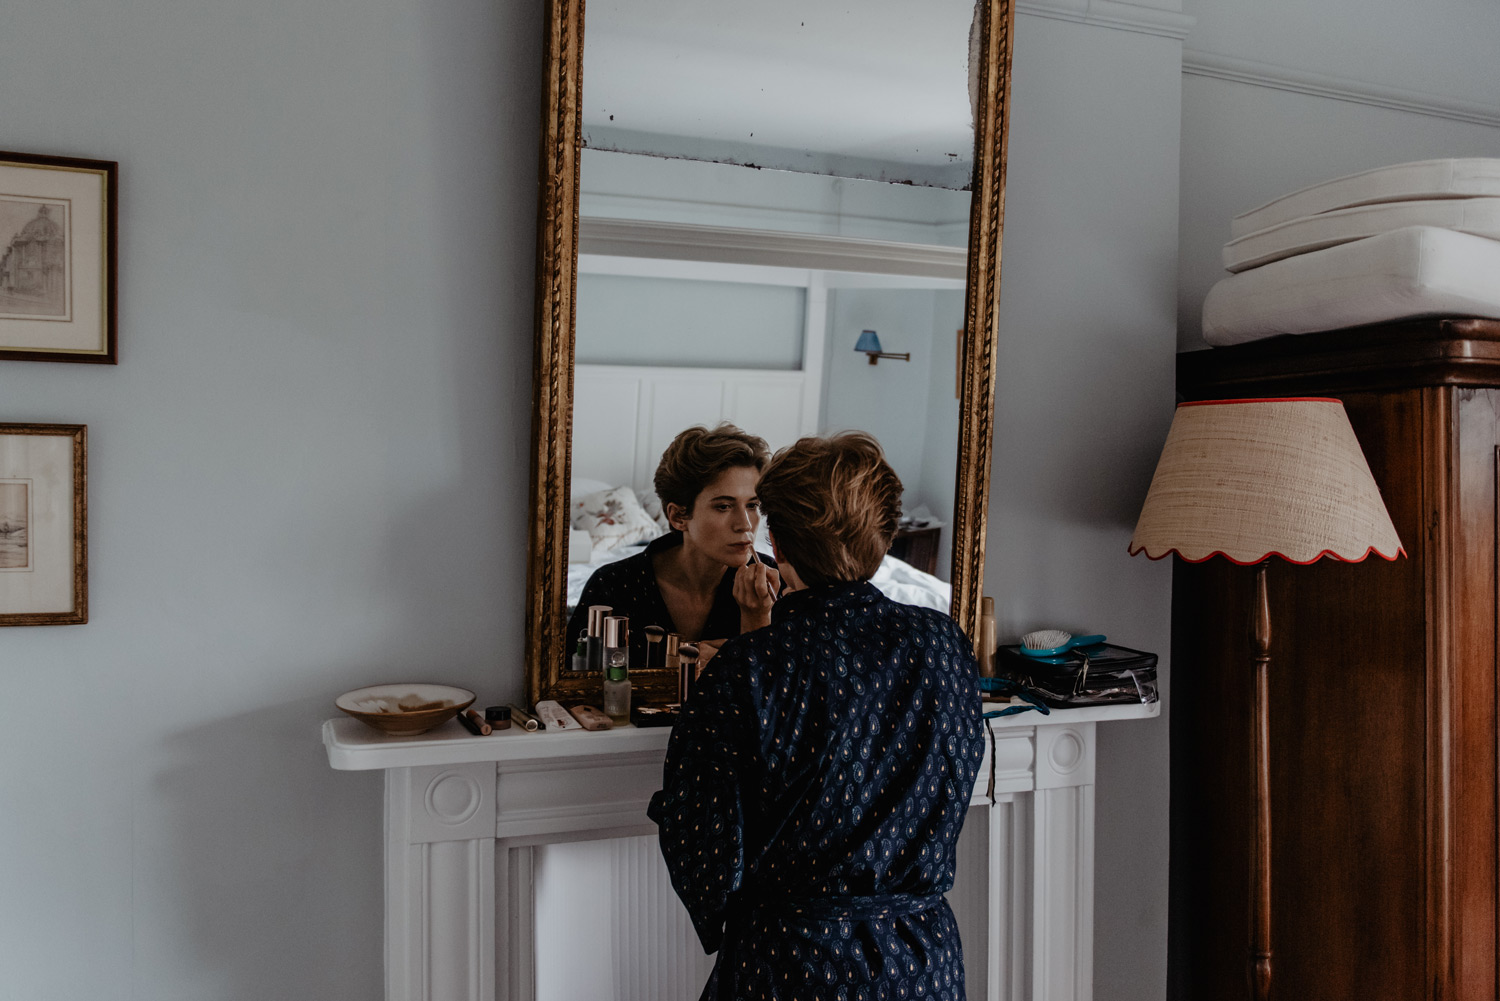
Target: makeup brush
point(654, 637)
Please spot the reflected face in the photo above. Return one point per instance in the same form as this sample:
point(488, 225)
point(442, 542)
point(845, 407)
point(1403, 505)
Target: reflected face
point(724, 517)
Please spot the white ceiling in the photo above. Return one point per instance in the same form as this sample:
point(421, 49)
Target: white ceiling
point(877, 88)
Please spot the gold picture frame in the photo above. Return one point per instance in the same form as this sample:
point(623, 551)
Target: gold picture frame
point(58, 258)
point(43, 524)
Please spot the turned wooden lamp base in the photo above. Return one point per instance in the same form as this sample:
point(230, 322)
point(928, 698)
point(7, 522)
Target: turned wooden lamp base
point(1260, 862)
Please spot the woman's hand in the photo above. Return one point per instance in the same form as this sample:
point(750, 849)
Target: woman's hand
point(755, 588)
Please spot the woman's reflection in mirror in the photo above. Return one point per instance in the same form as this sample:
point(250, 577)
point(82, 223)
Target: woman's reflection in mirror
point(701, 580)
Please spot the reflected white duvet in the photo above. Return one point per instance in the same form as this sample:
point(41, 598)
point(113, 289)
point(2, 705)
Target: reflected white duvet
point(896, 579)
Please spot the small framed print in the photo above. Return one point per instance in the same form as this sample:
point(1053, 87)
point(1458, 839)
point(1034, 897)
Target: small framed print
point(43, 524)
point(58, 237)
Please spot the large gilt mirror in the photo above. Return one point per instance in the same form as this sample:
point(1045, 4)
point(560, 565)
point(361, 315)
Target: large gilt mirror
point(787, 216)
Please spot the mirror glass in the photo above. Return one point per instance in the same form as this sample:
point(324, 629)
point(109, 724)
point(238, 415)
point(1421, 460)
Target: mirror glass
point(761, 184)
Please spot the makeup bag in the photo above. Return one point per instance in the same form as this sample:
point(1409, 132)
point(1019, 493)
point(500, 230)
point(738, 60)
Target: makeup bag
point(1099, 675)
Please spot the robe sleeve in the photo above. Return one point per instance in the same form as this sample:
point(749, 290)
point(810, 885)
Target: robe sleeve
point(700, 809)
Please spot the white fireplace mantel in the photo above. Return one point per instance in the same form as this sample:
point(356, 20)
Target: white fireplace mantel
point(468, 821)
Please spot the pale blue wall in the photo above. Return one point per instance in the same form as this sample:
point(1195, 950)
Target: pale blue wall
point(307, 473)
point(892, 399)
point(1083, 398)
point(939, 465)
point(626, 320)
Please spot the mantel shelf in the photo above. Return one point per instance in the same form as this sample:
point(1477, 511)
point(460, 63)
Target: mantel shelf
point(354, 746)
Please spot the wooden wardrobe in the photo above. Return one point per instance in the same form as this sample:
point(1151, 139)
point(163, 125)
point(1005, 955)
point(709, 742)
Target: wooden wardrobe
point(1383, 695)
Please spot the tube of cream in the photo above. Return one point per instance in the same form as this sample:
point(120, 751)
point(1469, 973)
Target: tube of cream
point(555, 717)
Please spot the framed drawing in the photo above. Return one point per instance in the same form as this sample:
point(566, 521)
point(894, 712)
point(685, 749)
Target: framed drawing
point(57, 258)
point(43, 524)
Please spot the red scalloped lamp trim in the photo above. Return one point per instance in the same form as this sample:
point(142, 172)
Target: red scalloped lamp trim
point(1260, 399)
point(1400, 553)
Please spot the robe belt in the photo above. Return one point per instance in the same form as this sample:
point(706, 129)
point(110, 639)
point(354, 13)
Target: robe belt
point(843, 907)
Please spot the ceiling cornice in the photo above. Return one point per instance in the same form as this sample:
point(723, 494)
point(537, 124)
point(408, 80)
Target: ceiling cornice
point(1236, 70)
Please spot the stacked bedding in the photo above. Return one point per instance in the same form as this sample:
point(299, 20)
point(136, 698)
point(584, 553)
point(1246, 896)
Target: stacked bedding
point(1401, 242)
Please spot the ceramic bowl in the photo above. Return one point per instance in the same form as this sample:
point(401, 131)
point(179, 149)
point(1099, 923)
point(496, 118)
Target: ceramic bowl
point(404, 710)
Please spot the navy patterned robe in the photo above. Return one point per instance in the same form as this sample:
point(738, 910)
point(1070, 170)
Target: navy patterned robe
point(814, 790)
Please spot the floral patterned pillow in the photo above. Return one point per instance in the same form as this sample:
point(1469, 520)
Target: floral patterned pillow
point(614, 518)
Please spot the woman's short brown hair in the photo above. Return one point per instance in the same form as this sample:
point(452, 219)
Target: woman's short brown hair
point(832, 505)
point(699, 454)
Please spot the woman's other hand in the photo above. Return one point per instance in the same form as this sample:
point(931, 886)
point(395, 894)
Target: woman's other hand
point(755, 588)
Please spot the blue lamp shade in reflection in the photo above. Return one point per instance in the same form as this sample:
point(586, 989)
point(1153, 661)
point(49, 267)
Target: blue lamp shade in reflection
point(869, 343)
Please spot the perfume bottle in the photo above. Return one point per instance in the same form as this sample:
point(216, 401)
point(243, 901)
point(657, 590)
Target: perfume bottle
point(617, 669)
point(594, 638)
point(581, 653)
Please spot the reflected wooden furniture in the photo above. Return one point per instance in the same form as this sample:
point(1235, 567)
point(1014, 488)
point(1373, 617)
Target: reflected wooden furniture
point(1383, 767)
point(919, 547)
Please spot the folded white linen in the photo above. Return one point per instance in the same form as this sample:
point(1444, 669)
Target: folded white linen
point(1476, 216)
point(1404, 274)
point(1452, 178)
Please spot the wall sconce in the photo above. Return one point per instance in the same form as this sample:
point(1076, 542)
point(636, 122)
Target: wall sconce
point(869, 343)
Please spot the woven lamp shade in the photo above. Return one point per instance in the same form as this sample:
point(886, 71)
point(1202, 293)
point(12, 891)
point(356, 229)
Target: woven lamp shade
point(1251, 479)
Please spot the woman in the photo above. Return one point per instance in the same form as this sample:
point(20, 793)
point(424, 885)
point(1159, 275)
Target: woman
point(817, 780)
point(698, 580)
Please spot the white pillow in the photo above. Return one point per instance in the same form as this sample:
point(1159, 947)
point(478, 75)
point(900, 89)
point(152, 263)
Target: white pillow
point(580, 488)
point(1406, 273)
point(1459, 178)
point(1475, 216)
point(614, 518)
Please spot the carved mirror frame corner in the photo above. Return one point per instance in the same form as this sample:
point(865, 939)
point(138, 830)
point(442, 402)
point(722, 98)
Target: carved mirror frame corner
point(552, 373)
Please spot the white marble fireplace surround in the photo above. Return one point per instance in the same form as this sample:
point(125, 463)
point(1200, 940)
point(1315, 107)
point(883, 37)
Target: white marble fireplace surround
point(522, 867)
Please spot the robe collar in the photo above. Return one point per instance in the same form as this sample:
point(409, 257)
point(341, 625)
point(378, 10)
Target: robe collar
point(839, 594)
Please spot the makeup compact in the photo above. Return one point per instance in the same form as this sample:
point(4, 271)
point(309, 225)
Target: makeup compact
point(590, 718)
point(643, 716)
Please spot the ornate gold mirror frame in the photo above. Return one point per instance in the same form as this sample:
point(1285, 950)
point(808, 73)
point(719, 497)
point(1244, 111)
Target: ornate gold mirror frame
point(552, 393)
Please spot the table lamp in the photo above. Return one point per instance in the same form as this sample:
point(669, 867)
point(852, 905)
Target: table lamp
point(1247, 480)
